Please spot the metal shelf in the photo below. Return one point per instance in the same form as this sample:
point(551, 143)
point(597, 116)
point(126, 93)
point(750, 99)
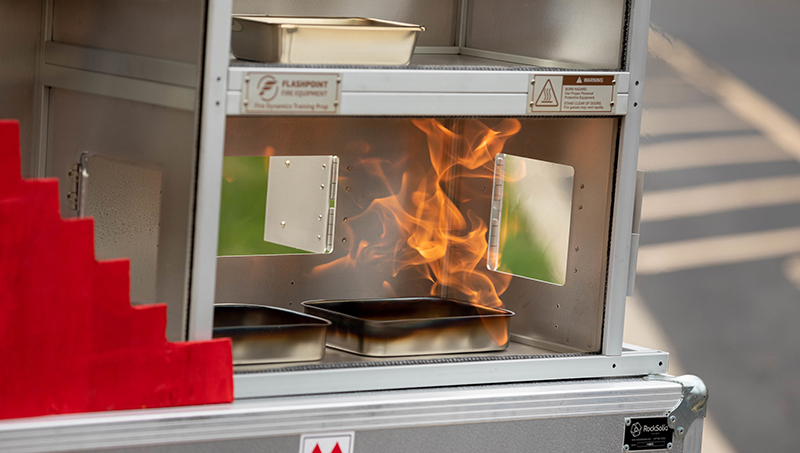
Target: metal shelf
point(433, 84)
point(342, 372)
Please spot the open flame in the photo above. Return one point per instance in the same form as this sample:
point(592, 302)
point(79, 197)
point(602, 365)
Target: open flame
point(424, 229)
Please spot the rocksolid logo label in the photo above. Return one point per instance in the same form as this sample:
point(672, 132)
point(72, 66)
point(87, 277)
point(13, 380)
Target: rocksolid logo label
point(655, 428)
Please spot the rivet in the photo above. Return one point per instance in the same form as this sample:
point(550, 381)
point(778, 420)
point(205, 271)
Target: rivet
point(319, 217)
point(580, 207)
point(613, 81)
point(349, 168)
point(283, 224)
point(626, 447)
point(347, 189)
point(319, 238)
point(344, 239)
point(322, 186)
point(575, 271)
point(246, 78)
point(324, 166)
point(582, 186)
point(533, 82)
point(577, 250)
point(612, 104)
point(287, 163)
point(627, 421)
point(344, 219)
point(245, 102)
point(669, 445)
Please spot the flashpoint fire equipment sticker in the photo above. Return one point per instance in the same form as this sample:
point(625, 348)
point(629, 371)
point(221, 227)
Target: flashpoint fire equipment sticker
point(291, 93)
point(647, 434)
point(327, 443)
point(583, 93)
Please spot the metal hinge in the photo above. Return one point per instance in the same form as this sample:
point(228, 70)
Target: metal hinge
point(693, 404)
point(78, 176)
point(637, 220)
point(334, 187)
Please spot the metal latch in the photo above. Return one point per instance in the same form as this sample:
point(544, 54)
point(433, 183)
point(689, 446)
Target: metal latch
point(637, 220)
point(78, 176)
point(693, 404)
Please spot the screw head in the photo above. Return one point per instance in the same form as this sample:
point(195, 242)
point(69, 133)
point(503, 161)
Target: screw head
point(283, 224)
point(319, 238)
point(627, 422)
point(626, 447)
point(669, 445)
point(288, 163)
point(319, 217)
point(322, 186)
point(681, 430)
point(324, 166)
point(672, 419)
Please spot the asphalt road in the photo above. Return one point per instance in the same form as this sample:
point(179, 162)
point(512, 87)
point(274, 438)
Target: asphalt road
point(720, 259)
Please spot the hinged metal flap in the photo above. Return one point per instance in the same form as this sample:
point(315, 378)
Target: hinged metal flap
point(531, 216)
point(301, 202)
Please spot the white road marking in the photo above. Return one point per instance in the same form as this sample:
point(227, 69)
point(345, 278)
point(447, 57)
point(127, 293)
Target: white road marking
point(708, 152)
point(766, 116)
point(717, 250)
point(642, 329)
point(723, 197)
point(690, 119)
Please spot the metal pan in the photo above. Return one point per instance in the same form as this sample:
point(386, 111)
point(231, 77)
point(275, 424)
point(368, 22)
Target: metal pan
point(323, 40)
point(270, 335)
point(412, 326)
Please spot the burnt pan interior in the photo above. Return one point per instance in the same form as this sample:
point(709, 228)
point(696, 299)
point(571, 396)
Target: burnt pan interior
point(227, 316)
point(406, 308)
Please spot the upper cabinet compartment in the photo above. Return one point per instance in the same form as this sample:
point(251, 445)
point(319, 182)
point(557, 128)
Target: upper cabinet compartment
point(565, 34)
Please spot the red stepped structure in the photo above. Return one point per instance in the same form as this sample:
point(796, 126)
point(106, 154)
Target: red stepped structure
point(69, 339)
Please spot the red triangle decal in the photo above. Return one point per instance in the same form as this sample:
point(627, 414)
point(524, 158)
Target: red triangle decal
point(317, 449)
point(336, 449)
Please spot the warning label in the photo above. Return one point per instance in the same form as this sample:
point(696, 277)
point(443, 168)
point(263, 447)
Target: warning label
point(583, 93)
point(327, 443)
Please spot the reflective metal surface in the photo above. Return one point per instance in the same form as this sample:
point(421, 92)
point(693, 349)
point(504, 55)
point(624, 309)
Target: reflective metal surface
point(314, 40)
point(587, 34)
point(412, 326)
point(270, 335)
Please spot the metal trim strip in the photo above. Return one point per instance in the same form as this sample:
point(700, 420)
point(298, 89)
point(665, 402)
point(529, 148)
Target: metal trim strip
point(172, 96)
point(121, 64)
point(288, 416)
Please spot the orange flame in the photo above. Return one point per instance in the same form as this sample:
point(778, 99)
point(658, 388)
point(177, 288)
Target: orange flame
point(423, 228)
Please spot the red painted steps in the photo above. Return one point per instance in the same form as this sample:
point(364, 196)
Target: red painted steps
point(69, 339)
